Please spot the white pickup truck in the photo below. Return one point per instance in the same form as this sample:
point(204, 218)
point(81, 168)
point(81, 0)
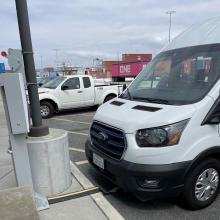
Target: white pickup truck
point(76, 91)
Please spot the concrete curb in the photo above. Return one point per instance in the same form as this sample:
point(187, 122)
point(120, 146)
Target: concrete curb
point(109, 211)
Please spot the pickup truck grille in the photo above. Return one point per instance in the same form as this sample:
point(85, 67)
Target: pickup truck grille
point(110, 141)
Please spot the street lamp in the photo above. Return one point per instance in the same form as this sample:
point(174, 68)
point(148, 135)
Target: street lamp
point(37, 129)
point(41, 62)
point(56, 54)
point(170, 14)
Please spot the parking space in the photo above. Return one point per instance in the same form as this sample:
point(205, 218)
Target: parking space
point(78, 123)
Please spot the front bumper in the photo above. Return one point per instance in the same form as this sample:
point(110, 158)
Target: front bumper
point(130, 176)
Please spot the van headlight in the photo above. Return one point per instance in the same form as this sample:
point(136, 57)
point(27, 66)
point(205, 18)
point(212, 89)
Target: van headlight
point(161, 136)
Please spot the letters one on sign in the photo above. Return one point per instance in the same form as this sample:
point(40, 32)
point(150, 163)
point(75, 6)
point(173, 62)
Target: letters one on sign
point(125, 69)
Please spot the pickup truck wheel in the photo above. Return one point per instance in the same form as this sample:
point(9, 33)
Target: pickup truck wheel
point(109, 97)
point(46, 109)
point(202, 185)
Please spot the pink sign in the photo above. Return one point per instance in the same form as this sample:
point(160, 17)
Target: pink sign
point(127, 69)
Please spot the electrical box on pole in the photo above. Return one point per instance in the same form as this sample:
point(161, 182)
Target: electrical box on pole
point(16, 98)
point(15, 105)
point(16, 62)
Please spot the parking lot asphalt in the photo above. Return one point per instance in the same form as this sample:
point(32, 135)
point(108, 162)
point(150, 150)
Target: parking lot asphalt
point(77, 122)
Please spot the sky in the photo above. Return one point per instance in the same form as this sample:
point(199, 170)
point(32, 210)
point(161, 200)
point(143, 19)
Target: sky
point(78, 31)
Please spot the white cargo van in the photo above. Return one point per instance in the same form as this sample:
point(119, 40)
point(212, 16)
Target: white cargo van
point(161, 137)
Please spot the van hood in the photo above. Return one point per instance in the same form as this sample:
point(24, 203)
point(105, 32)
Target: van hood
point(131, 116)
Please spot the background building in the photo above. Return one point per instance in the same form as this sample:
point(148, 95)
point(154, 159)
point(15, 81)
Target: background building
point(130, 66)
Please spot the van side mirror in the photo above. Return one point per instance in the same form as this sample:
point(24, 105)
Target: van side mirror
point(63, 87)
point(124, 87)
point(213, 117)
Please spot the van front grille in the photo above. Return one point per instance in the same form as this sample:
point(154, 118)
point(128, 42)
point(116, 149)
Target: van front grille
point(110, 141)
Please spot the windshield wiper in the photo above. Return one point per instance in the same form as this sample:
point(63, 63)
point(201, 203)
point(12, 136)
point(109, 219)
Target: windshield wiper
point(127, 95)
point(153, 100)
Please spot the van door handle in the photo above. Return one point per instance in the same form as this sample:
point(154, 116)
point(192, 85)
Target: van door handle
point(80, 91)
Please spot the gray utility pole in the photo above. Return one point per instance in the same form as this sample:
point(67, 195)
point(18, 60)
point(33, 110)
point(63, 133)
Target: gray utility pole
point(38, 129)
point(56, 54)
point(41, 63)
point(170, 14)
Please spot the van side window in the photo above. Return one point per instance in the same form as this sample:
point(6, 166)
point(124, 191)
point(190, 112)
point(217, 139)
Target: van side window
point(72, 83)
point(86, 82)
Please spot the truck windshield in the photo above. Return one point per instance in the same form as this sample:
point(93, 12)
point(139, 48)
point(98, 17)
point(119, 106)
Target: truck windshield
point(54, 83)
point(177, 77)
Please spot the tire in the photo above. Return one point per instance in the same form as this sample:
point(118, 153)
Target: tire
point(47, 109)
point(109, 97)
point(198, 193)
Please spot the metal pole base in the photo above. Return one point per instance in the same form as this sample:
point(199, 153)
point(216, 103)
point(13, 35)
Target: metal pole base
point(50, 162)
point(39, 131)
point(41, 202)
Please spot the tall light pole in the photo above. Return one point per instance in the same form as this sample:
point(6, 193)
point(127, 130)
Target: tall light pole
point(41, 62)
point(37, 129)
point(56, 54)
point(170, 15)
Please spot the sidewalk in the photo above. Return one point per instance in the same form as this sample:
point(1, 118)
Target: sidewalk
point(7, 178)
point(93, 206)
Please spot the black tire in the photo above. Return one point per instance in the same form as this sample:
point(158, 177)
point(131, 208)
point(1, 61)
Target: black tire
point(109, 97)
point(47, 105)
point(189, 198)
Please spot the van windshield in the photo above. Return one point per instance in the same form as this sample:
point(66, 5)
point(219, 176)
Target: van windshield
point(177, 77)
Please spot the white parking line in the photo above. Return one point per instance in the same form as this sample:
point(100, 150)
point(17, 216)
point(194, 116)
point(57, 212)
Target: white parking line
point(81, 162)
point(76, 149)
point(78, 133)
point(76, 114)
point(88, 115)
point(67, 120)
point(98, 198)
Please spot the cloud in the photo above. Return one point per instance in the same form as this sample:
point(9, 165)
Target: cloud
point(86, 29)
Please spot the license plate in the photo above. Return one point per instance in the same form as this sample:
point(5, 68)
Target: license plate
point(98, 161)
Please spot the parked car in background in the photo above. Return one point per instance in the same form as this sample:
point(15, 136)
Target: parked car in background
point(76, 91)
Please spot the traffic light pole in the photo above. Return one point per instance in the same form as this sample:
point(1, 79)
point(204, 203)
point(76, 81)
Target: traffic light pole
point(37, 129)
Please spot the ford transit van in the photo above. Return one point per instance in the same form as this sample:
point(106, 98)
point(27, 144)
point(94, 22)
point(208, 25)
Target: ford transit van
point(161, 137)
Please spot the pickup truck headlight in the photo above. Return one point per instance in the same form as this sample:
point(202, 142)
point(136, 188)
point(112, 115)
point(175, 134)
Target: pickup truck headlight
point(160, 136)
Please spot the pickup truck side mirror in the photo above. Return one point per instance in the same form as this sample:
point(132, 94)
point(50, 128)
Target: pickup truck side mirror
point(124, 87)
point(63, 87)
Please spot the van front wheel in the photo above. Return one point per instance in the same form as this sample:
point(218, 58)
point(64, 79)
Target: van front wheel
point(202, 185)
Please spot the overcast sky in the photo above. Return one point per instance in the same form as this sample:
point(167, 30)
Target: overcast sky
point(82, 30)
